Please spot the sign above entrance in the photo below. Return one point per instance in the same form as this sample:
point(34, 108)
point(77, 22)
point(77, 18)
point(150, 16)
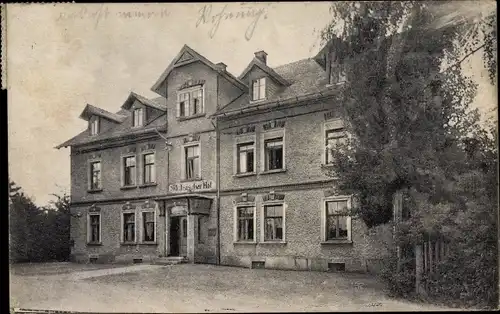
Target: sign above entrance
point(178, 211)
point(195, 186)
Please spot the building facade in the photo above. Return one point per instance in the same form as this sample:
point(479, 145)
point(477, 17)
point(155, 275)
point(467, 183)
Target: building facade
point(221, 169)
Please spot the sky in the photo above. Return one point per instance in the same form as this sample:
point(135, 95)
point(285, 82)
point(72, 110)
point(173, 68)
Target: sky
point(61, 57)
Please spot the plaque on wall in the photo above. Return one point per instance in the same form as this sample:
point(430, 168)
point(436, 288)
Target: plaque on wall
point(195, 186)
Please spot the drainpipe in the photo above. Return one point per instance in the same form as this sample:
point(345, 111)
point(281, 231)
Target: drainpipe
point(217, 134)
point(217, 174)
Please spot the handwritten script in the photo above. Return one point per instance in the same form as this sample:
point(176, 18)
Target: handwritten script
point(253, 14)
point(102, 12)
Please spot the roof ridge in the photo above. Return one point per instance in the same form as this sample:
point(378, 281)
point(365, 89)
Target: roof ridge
point(293, 62)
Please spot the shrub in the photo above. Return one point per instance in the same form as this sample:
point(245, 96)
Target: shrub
point(402, 283)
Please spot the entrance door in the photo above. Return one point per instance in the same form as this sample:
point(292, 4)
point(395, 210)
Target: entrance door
point(183, 237)
point(178, 236)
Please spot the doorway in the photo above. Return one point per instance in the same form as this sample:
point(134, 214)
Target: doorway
point(178, 236)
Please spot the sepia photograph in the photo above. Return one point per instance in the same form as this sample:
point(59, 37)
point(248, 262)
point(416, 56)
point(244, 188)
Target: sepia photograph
point(336, 156)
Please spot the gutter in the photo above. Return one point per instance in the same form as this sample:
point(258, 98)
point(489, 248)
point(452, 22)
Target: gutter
point(112, 138)
point(270, 104)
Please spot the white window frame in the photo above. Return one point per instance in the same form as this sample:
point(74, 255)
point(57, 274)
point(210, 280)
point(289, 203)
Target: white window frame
point(263, 220)
point(90, 174)
point(268, 135)
point(123, 157)
point(260, 82)
point(142, 117)
point(95, 125)
point(337, 73)
point(143, 164)
point(183, 162)
point(148, 210)
point(330, 125)
point(242, 139)
point(323, 228)
point(122, 229)
point(188, 109)
point(236, 220)
point(89, 228)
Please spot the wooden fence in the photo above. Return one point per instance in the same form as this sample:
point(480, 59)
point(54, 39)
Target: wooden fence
point(422, 258)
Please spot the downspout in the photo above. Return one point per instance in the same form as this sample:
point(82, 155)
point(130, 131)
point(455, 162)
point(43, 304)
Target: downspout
point(217, 175)
point(217, 145)
point(168, 148)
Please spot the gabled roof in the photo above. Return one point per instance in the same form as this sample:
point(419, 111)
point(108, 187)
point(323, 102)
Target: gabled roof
point(188, 55)
point(119, 131)
point(92, 110)
point(143, 100)
point(264, 67)
point(306, 79)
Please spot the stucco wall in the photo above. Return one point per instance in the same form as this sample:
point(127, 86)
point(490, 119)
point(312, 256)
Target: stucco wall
point(304, 146)
point(303, 248)
point(111, 249)
point(111, 173)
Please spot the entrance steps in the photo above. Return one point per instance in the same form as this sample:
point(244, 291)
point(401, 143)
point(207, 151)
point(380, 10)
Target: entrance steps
point(170, 260)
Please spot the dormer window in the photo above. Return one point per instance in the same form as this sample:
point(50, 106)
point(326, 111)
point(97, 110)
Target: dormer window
point(190, 102)
point(94, 125)
point(337, 73)
point(259, 89)
point(138, 117)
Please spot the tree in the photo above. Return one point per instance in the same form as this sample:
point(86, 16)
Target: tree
point(22, 212)
point(405, 116)
point(38, 234)
point(406, 105)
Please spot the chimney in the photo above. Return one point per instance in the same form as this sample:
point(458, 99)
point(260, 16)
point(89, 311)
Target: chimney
point(262, 56)
point(221, 66)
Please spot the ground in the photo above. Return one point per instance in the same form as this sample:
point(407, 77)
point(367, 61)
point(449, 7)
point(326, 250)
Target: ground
point(195, 288)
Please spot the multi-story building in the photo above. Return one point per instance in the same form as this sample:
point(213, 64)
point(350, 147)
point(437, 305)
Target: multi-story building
point(221, 169)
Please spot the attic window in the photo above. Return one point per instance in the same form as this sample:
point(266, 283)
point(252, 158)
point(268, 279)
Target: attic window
point(337, 73)
point(94, 125)
point(190, 102)
point(259, 89)
point(138, 117)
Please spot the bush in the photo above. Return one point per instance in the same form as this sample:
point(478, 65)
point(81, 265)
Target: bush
point(402, 283)
point(465, 278)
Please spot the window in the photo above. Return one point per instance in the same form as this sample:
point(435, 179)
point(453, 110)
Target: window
point(246, 153)
point(197, 101)
point(259, 89)
point(273, 222)
point(138, 117)
point(190, 102)
point(148, 232)
point(337, 73)
point(332, 139)
point(129, 227)
point(337, 220)
point(95, 175)
point(192, 161)
point(274, 154)
point(129, 171)
point(183, 104)
point(94, 125)
point(94, 228)
point(245, 223)
point(149, 168)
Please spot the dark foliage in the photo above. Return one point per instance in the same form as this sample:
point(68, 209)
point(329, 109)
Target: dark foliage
point(38, 234)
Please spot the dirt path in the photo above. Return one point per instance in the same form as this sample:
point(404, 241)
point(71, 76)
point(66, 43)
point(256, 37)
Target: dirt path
point(202, 288)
